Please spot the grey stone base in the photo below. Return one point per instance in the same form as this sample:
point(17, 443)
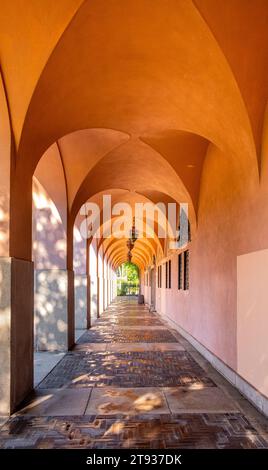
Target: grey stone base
point(80, 294)
point(51, 310)
point(16, 332)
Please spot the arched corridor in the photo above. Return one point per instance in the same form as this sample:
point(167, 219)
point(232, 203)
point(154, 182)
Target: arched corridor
point(134, 132)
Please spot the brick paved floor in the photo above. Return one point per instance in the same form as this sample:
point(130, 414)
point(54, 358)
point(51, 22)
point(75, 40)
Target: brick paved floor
point(132, 369)
point(194, 431)
point(131, 384)
point(130, 321)
point(117, 335)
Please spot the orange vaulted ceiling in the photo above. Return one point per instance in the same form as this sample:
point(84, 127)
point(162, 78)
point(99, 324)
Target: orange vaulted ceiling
point(139, 67)
point(121, 85)
point(29, 31)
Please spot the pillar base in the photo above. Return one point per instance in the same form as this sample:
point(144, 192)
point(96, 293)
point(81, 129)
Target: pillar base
point(53, 305)
point(16, 332)
point(82, 314)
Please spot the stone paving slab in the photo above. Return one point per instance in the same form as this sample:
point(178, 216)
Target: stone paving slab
point(128, 347)
point(55, 402)
point(109, 335)
point(197, 399)
point(114, 400)
point(128, 315)
point(121, 328)
point(130, 321)
point(3, 420)
point(111, 400)
point(183, 431)
point(43, 363)
point(132, 369)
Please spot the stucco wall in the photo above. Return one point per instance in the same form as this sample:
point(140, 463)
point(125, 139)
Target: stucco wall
point(227, 276)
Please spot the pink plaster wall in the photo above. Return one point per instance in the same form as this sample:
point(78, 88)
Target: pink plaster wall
point(49, 236)
point(232, 221)
point(50, 174)
point(5, 147)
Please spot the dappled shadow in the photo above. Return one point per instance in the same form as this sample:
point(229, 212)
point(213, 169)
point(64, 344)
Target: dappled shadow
point(80, 295)
point(5, 325)
point(51, 310)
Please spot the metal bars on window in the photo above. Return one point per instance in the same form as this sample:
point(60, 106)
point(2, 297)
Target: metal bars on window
point(183, 270)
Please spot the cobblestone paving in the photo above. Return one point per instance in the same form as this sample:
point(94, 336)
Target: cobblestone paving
point(192, 431)
point(87, 369)
point(133, 369)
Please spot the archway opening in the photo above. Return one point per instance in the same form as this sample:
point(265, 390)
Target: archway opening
point(128, 279)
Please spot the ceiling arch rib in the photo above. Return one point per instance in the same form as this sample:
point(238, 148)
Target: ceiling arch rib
point(123, 249)
point(232, 28)
point(23, 58)
point(123, 259)
point(114, 245)
point(120, 246)
point(120, 169)
point(151, 243)
point(86, 148)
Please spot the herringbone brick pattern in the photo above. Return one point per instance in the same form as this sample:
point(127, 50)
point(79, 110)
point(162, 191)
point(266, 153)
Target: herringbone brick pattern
point(133, 369)
point(117, 335)
point(192, 431)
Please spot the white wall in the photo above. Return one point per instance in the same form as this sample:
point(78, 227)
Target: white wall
point(252, 318)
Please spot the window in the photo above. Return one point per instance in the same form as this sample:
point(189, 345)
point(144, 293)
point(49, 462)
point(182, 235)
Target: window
point(180, 271)
point(166, 265)
point(186, 270)
point(169, 274)
point(159, 276)
point(183, 270)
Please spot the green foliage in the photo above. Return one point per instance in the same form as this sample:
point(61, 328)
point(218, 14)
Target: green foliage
point(125, 288)
point(128, 279)
point(132, 272)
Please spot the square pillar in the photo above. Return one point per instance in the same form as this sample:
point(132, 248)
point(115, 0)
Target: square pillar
point(80, 294)
point(54, 309)
point(93, 293)
point(16, 332)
